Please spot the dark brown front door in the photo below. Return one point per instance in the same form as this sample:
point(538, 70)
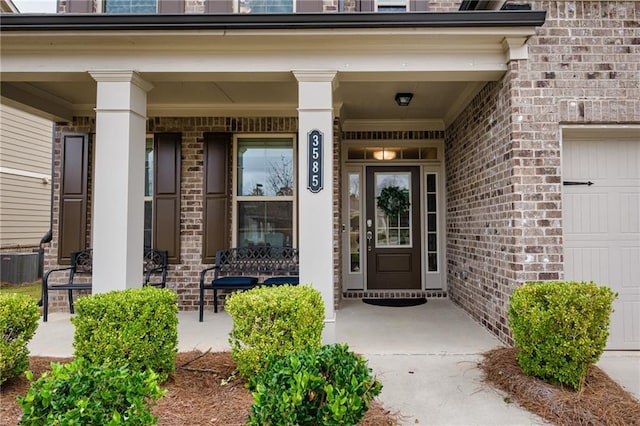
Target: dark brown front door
point(393, 228)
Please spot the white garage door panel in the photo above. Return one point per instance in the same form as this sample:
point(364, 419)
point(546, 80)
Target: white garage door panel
point(628, 314)
point(602, 226)
point(629, 203)
point(587, 264)
point(585, 213)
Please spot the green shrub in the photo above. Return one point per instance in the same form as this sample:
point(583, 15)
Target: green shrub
point(560, 328)
point(80, 393)
point(271, 322)
point(329, 386)
point(18, 322)
point(138, 327)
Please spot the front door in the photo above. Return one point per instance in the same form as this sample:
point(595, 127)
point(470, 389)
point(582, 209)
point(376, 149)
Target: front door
point(392, 227)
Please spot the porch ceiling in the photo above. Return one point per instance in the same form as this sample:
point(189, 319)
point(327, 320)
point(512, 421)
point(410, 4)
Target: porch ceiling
point(250, 73)
point(434, 102)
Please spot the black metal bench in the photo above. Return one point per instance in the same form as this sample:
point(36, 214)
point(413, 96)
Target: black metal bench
point(241, 268)
point(154, 268)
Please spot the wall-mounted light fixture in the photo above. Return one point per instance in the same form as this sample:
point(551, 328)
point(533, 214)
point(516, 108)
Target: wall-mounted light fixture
point(404, 99)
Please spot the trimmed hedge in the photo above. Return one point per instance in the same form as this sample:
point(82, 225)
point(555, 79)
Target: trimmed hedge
point(326, 386)
point(137, 327)
point(560, 328)
point(79, 393)
point(272, 322)
point(18, 323)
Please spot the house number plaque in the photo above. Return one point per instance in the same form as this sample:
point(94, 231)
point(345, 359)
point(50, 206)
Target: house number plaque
point(315, 160)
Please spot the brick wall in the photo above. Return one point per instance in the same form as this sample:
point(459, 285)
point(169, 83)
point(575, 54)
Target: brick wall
point(184, 277)
point(444, 5)
point(504, 179)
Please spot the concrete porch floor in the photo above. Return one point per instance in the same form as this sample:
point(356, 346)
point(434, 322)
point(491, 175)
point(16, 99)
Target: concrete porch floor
point(425, 356)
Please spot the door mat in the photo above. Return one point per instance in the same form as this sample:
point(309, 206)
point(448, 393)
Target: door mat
point(397, 302)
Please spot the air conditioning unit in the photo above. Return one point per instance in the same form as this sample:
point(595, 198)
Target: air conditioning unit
point(18, 268)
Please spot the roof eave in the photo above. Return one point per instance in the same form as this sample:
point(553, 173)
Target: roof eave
point(92, 22)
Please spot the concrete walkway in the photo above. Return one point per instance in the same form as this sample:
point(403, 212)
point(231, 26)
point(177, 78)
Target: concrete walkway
point(425, 356)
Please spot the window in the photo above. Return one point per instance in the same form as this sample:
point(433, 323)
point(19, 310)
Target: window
point(431, 202)
point(265, 188)
point(265, 6)
point(354, 222)
point(130, 6)
point(392, 5)
point(148, 193)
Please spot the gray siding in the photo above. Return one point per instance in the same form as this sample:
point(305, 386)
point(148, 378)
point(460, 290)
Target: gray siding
point(25, 177)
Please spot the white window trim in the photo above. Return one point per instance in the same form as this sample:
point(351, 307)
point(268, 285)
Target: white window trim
point(235, 198)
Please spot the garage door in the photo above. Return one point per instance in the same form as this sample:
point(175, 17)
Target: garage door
point(601, 212)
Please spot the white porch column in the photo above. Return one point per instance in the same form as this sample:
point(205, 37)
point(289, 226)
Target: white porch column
point(118, 200)
point(315, 229)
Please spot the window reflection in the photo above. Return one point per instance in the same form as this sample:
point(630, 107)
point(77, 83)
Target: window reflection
point(265, 167)
point(265, 223)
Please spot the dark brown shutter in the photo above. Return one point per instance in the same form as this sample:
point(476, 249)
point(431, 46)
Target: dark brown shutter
point(216, 194)
point(166, 194)
point(219, 6)
point(365, 6)
point(308, 6)
point(419, 5)
point(72, 230)
point(171, 6)
point(79, 6)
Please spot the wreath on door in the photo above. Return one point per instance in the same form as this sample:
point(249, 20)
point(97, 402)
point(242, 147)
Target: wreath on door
point(393, 200)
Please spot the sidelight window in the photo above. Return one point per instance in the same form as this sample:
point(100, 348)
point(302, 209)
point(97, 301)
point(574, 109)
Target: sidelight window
point(431, 202)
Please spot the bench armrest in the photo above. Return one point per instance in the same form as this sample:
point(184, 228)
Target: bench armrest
point(147, 274)
point(45, 277)
point(203, 273)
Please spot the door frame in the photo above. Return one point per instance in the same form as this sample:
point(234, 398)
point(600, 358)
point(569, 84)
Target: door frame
point(430, 280)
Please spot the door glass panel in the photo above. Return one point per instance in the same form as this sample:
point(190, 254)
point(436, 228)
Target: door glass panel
point(393, 209)
point(354, 222)
point(432, 222)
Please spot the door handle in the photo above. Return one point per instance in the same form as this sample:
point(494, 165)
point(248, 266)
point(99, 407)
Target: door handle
point(369, 238)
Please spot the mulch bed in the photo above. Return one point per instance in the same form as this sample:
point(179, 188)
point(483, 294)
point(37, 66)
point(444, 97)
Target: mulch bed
point(195, 395)
point(601, 401)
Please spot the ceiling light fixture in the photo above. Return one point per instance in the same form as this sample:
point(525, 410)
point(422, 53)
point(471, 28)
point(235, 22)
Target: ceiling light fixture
point(384, 154)
point(404, 99)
